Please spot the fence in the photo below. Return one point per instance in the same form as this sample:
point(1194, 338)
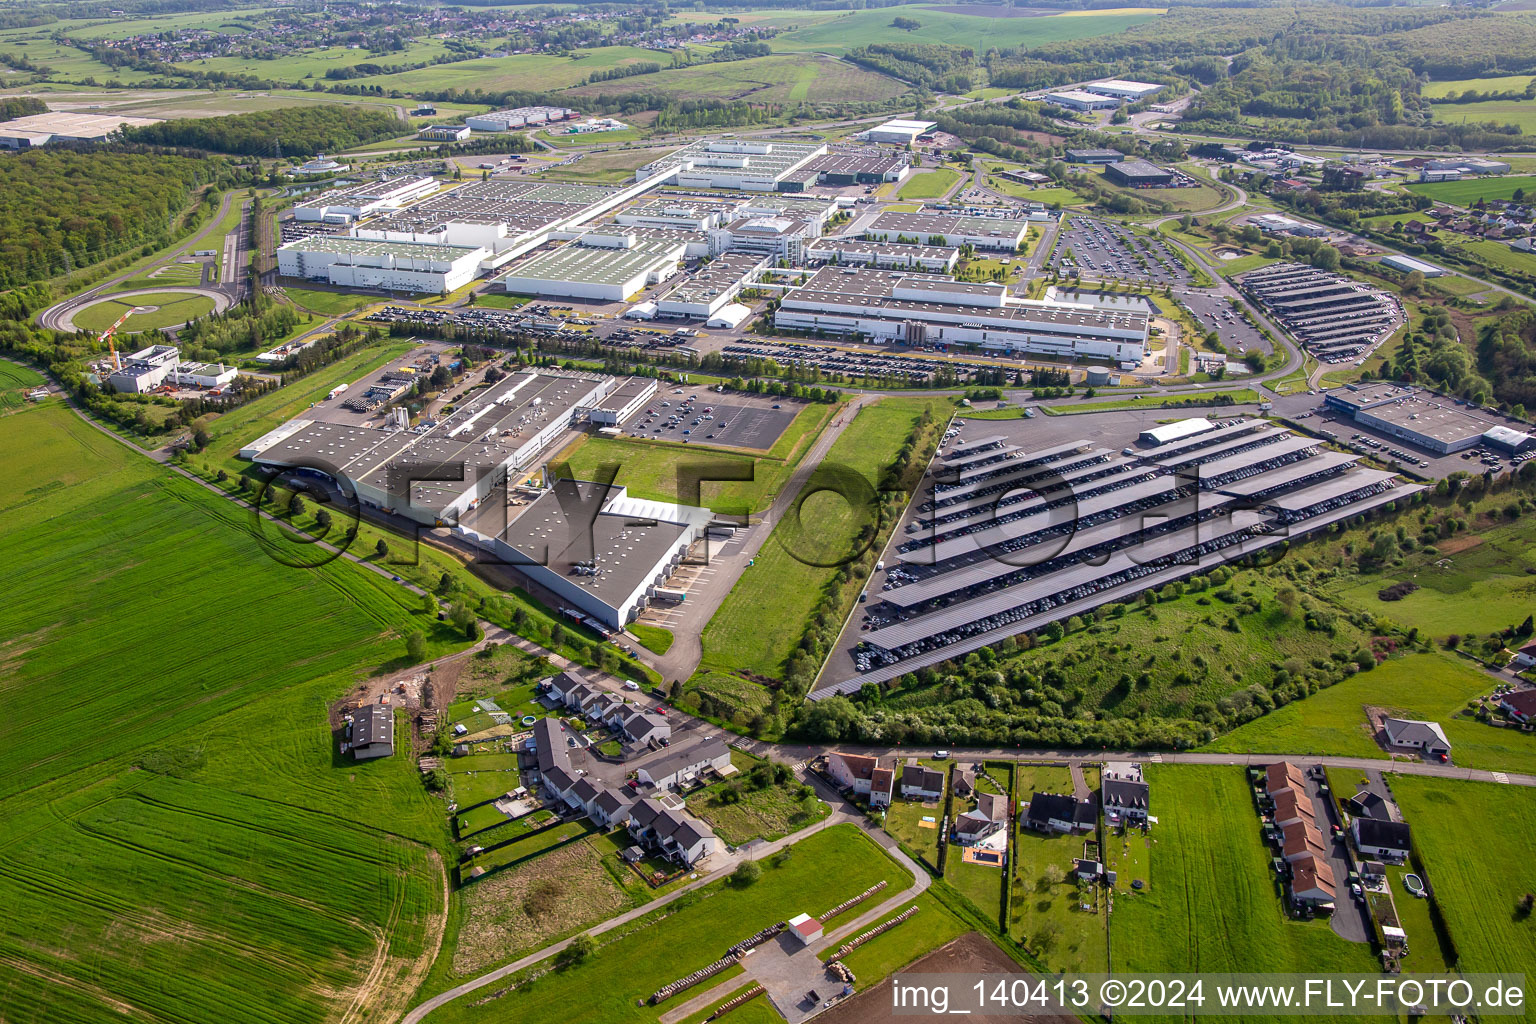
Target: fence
point(702, 974)
point(731, 1004)
point(847, 905)
point(756, 940)
point(859, 940)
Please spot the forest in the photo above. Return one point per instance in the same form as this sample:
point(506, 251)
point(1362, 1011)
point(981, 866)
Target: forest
point(292, 131)
point(62, 209)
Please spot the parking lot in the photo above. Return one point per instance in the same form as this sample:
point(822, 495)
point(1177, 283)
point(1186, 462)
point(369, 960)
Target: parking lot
point(1101, 250)
point(693, 415)
point(1214, 313)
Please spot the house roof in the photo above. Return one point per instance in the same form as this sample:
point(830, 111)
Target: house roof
point(1312, 874)
point(1126, 793)
point(549, 744)
point(584, 790)
point(1412, 730)
point(1290, 804)
point(973, 821)
point(860, 766)
point(1282, 774)
point(610, 802)
point(922, 777)
point(1299, 838)
point(880, 780)
point(1387, 835)
point(1367, 804)
point(1061, 807)
point(993, 805)
point(1522, 701)
point(373, 724)
point(559, 780)
point(682, 760)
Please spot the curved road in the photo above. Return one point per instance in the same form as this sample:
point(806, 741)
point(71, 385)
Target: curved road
point(62, 316)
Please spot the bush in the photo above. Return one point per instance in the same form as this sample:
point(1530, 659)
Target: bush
point(746, 873)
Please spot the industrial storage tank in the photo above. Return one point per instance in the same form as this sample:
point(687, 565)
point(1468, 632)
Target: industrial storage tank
point(1098, 376)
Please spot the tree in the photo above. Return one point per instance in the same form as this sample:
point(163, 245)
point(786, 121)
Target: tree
point(556, 636)
point(416, 647)
point(200, 436)
point(578, 949)
point(1413, 283)
point(296, 506)
point(323, 520)
point(747, 872)
point(381, 548)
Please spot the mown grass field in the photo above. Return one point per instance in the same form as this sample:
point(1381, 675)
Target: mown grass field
point(1502, 83)
point(529, 71)
point(1044, 915)
point(207, 854)
point(1476, 884)
point(163, 309)
point(763, 617)
point(15, 381)
point(1216, 906)
point(780, 78)
point(640, 957)
point(929, 184)
point(840, 34)
point(1435, 687)
point(1469, 190)
point(329, 303)
point(1520, 113)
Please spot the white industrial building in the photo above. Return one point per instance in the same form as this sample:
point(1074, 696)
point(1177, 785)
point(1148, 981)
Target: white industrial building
point(202, 375)
point(774, 236)
point(678, 214)
point(949, 229)
point(623, 401)
point(145, 369)
point(900, 132)
point(444, 133)
point(747, 165)
point(521, 117)
point(393, 266)
point(344, 205)
point(1080, 99)
point(599, 267)
point(65, 126)
point(1120, 89)
point(924, 309)
point(855, 252)
point(1408, 265)
point(714, 286)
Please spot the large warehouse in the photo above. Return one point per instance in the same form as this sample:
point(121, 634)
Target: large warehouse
point(64, 126)
point(344, 205)
point(1012, 537)
point(1121, 89)
point(899, 132)
point(602, 268)
point(599, 550)
point(521, 117)
point(952, 229)
point(1079, 99)
point(853, 252)
point(392, 266)
point(1423, 418)
point(440, 470)
point(747, 165)
point(926, 309)
point(506, 217)
point(1137, 174)
point(713, 287)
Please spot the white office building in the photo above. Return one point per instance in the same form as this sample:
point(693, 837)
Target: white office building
point(1081, 99)
point(597, 266)
point(393, 266)
point(1120, 89)
point(344, 205)
point(520, 117)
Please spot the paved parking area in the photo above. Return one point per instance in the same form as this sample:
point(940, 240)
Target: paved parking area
point(734, 422)
point(1214, 313)
point(1309, 411)
point(1099, 249)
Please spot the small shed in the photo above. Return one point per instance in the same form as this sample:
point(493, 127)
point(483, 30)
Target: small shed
point(806, 928)
point(632, 854)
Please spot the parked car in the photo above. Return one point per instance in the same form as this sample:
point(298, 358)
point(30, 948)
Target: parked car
point(630, 684)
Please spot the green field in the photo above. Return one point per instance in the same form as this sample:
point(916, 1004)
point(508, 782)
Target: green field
point(1425, 686)
point(1503, 83)
point(653, 638)
point(1044, 915)
point(1216, 906)
point(327, 302)
point(929, 184)
point(529, 71)
point(206, 843)
point(165, 309)
point(757, 627)
point(15, 381)
point(1520, 113)
point(738, 810)
point(1476, 884)
point(640, 957)
point(840, 34)
point(781, 78)
point(1469, 190)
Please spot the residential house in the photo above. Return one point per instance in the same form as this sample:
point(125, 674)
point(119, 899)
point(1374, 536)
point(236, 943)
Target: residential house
point(973, 828)
point(580, 695)
point(610, 808)
point(921, 782)
point(1283, 775)
point(1059, 812)
point(556, 687)
point(642, 728)
point(1292, 807)
point(1302, 843)
point(852, 771)
point(1124, 793)
point(1525, 657)
point(1301, 840)
point(1519, 705)
point(674, 834)
point(680, 767)
point(965, 780)
point(558, 782)
point(372, 732)
point(1417, 735)
point(550, 743)
point(1380, 840)
point(582, 795)
point(993, 805)
point(1312, 880)
point(881, 782)
point(1366, 804)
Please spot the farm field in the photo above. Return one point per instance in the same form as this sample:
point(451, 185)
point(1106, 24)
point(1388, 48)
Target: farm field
point(1435, 687)
point(780, 78)
point(640, 957)
point(1502, 83)
point(1469, 190)
point(1215, 905)
point(15, 381)
point(756, 628)
point(614, 167)
point(1501, 112)
point(169, 310)
point(929, 184)
point(239, 857)
point(1477, 885)
point(528, 71)
point(841, 34)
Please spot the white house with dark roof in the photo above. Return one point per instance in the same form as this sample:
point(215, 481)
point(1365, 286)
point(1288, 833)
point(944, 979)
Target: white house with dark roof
point(641, 728)
point(1519, 704)
point(609, 808)
point(921, 782)
point(1381, 840)
point(680, 767)
point(974, 828)
point(1125, 794)
point(1417, 735)
point(674, 834)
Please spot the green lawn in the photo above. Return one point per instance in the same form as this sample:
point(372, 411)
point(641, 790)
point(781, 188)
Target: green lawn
point(640, 957)
point(1503, 83)
point(328, 303)
point(1435, 687)
point(840, 34)
point(928, 184)
point(653, 638)
point(527, 71)
point(1216, 906)
point(757, 627)
point(739, 811)
point(1469, 190)
point(1476, 884)
point(1045, 915)
point(242, 855)
point(15, 381)
point(163, 309)
point(1519, 113)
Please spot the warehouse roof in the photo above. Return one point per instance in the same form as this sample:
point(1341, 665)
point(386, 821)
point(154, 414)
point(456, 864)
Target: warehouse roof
point(597, 264)
point(348, 245)
point(1177, 430)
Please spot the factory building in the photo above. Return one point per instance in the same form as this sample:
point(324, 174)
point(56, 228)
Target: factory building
point(1422, 418)
point(598, 267)
point(926, 309)
point(1079, 99)
point(1012, 539)
point(442, 469)
point(1137, 174)
point(852, 252)
point(444, 133)
point(748, 166)
point(1120, 89)
point(1094, 156)
point(899, 132)
point(950, 229)
point(600, 551)
point(839, 170)
point(65, 126)
point(521, 117)
point(777, 237)
point(145, 370)
point(628, 398)
point(344, 205)
point(391, 266)
point(713, 287)
point(1409, 265)
point(678, 214)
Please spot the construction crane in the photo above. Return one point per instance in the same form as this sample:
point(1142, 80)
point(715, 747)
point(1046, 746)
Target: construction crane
point(106, 336)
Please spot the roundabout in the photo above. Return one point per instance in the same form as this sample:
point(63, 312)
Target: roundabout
point(148, 309)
